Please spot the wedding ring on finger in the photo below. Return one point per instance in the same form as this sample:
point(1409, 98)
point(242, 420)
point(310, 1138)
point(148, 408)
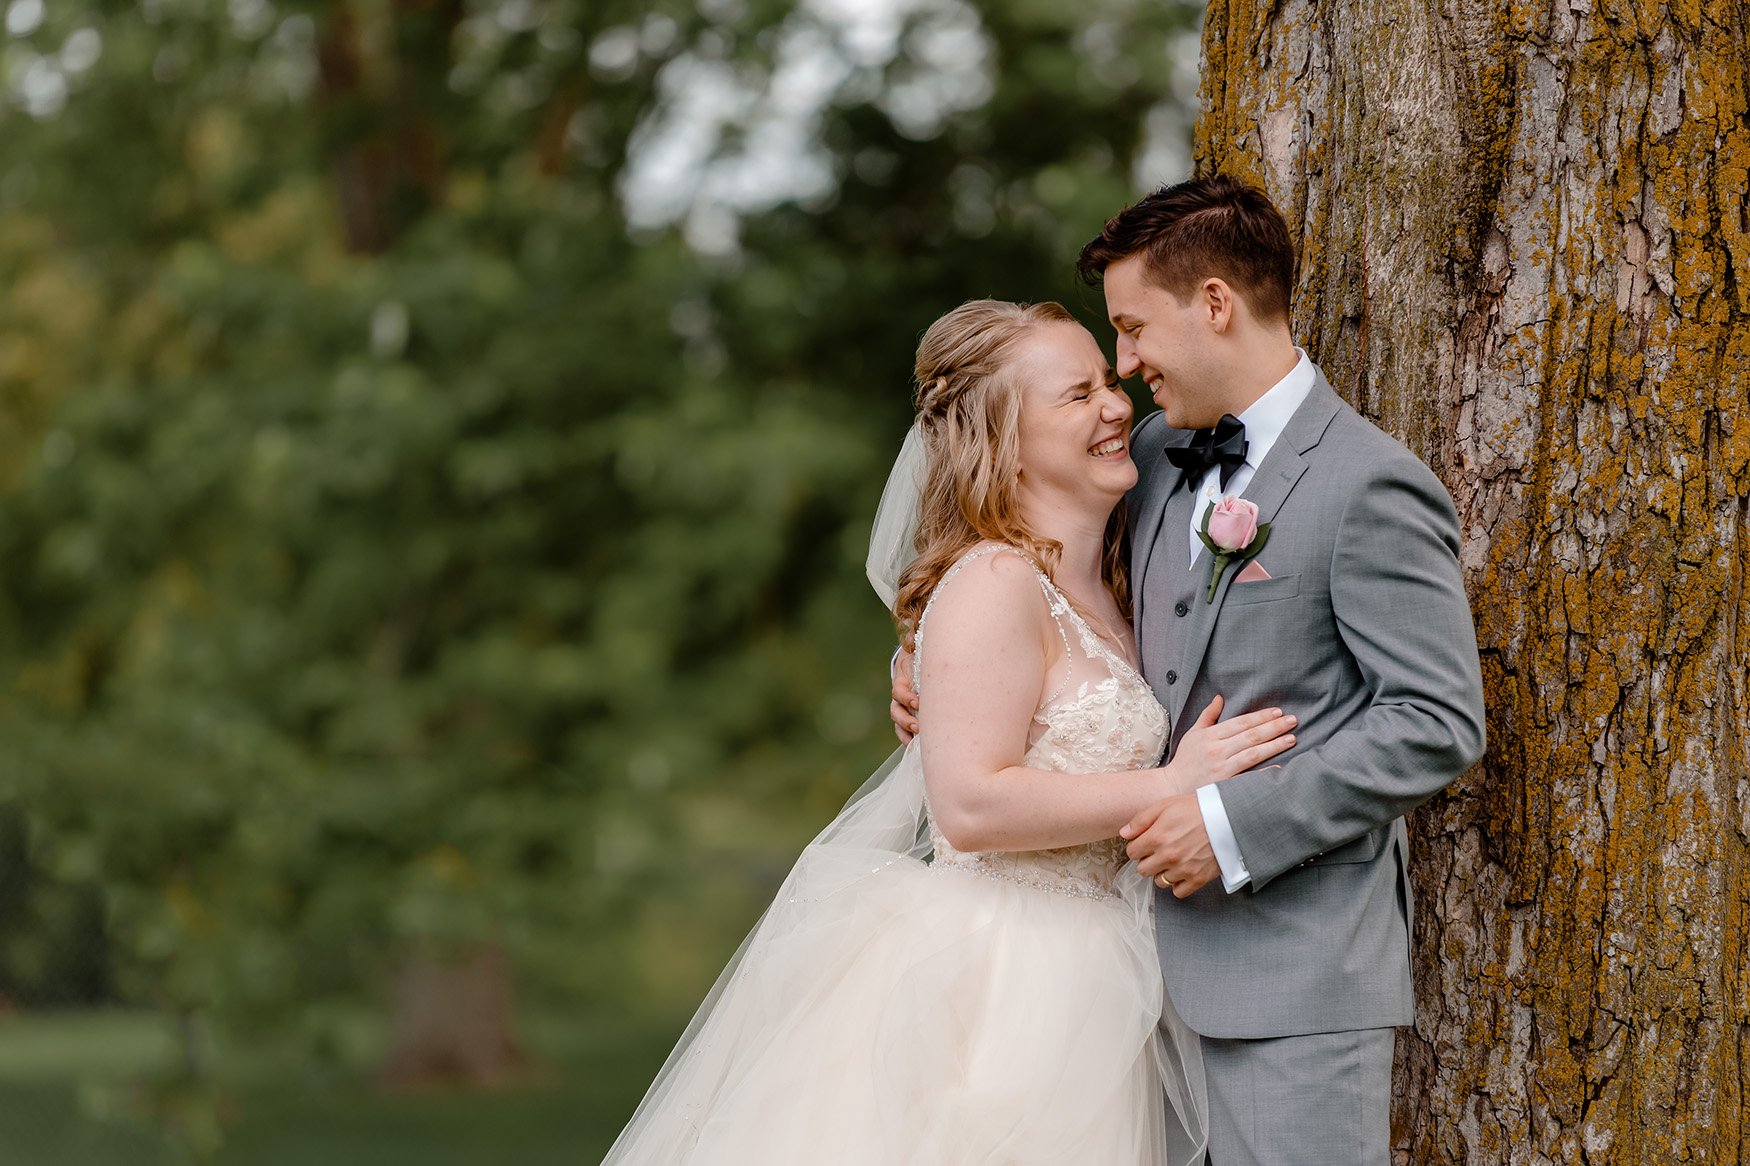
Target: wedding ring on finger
point(1165, 883)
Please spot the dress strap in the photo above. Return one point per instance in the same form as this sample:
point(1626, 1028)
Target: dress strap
point(1058, 605)
point(1096, 645)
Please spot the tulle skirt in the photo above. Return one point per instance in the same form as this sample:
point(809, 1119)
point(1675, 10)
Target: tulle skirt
point(890, 1012)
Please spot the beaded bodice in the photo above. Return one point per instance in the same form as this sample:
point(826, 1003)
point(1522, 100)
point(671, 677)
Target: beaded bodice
point(1100, 717)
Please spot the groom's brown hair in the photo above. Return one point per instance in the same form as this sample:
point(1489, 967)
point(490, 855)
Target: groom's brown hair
point(1190, 231)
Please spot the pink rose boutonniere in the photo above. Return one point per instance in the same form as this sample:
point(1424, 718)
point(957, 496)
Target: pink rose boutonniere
point(1233, 536)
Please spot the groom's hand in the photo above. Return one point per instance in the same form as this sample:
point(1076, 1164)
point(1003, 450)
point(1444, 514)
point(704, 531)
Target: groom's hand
point(904, 709)
point(1171, 846)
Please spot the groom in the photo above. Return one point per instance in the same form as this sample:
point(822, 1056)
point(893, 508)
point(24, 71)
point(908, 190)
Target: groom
point(1283, 914)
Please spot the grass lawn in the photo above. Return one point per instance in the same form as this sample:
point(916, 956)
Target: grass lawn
point(65, 1101)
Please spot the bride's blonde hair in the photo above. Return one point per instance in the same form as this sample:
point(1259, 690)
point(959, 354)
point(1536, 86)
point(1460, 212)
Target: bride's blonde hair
point(969, 411)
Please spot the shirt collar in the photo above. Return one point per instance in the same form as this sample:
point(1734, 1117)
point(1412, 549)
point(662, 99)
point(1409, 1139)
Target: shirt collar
point(1268, 416)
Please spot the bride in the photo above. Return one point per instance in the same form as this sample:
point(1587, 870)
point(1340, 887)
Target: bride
point(960, 968)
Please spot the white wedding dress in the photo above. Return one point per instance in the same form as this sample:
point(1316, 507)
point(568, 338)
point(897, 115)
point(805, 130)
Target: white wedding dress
point(906, 1004)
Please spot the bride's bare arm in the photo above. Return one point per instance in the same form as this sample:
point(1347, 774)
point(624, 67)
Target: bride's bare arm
point(988, 648)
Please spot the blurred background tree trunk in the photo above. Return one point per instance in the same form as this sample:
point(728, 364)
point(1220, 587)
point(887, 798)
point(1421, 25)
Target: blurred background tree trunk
point(455, 1021)
point(384, 93)
point(384, 90)
point(1524, 251)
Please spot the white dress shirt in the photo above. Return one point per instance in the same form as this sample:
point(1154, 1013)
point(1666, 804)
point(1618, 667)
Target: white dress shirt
point(1264, 421)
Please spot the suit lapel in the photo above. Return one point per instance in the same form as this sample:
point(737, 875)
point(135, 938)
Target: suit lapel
point(1268, 489)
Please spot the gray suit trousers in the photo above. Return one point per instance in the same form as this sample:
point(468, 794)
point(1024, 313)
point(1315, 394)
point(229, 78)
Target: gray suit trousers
point(1318, 1100)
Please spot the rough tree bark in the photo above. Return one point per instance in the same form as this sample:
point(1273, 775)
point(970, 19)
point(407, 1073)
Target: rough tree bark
point(1525, 251)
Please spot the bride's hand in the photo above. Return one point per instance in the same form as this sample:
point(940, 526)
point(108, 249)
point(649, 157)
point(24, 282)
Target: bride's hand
point(1214, 749)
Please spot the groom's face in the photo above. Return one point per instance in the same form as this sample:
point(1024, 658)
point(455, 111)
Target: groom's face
point(1165, 341)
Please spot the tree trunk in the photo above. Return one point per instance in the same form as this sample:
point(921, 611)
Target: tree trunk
point(1525, 251)
point(454, 1022)
point(382, 96)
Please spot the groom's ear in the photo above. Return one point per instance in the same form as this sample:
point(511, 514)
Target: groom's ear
point(1217, 303)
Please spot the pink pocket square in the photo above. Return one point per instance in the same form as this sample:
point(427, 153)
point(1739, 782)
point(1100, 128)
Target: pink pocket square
point(1252, 573)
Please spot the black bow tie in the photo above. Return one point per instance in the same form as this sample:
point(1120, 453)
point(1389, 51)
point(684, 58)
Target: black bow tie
point(1223, 446)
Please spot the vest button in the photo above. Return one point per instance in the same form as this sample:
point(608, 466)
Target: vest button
point(1172, 677)
point(1180, 609)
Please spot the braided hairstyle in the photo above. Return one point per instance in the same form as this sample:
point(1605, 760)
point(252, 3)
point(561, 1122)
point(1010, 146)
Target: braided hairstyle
point(968, 416)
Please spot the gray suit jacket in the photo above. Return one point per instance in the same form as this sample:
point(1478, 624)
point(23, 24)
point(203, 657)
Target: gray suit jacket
point(1363, 631)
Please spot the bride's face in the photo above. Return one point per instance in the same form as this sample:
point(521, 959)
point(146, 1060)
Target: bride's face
point(1075, 420)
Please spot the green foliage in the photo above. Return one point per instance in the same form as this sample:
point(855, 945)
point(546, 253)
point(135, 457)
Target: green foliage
point(400, 547)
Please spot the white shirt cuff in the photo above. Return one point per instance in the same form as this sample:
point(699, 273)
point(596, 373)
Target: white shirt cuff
point(1234, 874)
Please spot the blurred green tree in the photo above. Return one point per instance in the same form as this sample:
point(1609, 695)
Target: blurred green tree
point(436, 445)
